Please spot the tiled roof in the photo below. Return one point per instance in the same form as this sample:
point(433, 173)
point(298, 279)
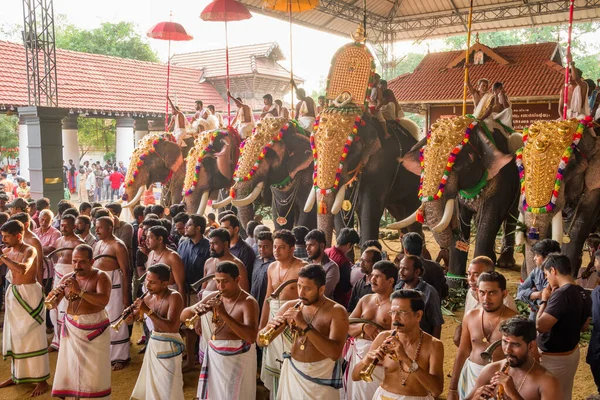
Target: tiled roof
point(533, 72)
point(97, 82)
point(259, 59)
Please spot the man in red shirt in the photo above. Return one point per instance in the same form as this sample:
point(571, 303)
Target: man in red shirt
point(116, 178)
point(345, 242)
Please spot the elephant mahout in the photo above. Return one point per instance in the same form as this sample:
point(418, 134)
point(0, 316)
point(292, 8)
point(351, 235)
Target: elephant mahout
point(275, 165)
point(463, 173)
point(209, 168)
point(559, 166)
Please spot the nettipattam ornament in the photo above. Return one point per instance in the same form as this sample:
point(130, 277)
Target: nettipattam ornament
point(146, 146)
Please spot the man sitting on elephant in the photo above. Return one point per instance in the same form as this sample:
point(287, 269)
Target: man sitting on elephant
point(305, 109)
point(177, 124)
point(270, 108)
point(244, 121)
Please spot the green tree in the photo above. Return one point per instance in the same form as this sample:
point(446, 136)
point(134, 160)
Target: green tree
point(407, 63)
point(96, 134)
point(9, 135)
point(111, 39)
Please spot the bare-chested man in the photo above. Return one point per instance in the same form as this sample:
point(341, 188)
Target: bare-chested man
point(373, 307)
point(229, 366)
point(156, 240)
point(320, 328)
point(31, 239)
point(244, 121)
point(413, 360)
point(577, 95)
point(479, 330)
point(111, 256)
point(64, 266)
point(177, 124)
point(305, 109)
point(285, 268)
point(270, 108)
point(86, 331)
point(525, 379)
point(25, 316)
point(161, 376)
point(219, 240)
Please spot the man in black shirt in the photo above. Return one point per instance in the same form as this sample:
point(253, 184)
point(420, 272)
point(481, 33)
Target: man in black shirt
point(564, 312)
point(264, 242)
point(237, 246)
point(194, 250)
point(363, 286)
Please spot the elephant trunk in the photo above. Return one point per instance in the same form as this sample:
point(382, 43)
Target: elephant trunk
point(434, 212)
point(325, 216)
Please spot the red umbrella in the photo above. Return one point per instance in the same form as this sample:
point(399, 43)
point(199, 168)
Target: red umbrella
point(226, 11)
point(168, 31)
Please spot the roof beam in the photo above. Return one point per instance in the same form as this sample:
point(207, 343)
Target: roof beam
point(458, 14)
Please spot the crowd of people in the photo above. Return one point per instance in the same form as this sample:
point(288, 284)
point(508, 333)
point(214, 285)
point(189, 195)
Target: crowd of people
point(280, 305)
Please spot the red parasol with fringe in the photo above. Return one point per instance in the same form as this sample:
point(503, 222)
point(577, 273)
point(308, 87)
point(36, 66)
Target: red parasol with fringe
point(226, 11)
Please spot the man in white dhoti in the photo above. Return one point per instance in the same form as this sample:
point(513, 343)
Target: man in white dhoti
point(85, 335)
point(178, 124)
point(371, 307)
point(229, 366)
point(313, 368)
point(578, 105)
point(270, 108)
point(161, 375)
point(305, 109)
point(502, 108)
point(413, 360)
point(243, 121)
point(24, 332)
point(479, 330)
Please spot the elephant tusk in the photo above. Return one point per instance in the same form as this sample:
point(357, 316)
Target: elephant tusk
point(310, 201)
point(446, 218)
point(223, 203)
point(404, 223)
point(136, 199)
point(250, 198)
point(339, 199)
point(520, 235)
point(203, 203)
point(557, 227)
point(119, 201)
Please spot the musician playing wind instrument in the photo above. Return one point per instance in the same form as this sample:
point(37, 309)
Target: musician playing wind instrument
point(412, 359)
point(229, 366)
point(86, 333)
point(320, 326)
point(161, 375)
point(518, 376)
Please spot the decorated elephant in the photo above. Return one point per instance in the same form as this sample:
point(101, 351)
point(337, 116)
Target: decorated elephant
point(275, 164)
point(460, 160)
point(209, 168)
point(156, 159)
point(559, 166)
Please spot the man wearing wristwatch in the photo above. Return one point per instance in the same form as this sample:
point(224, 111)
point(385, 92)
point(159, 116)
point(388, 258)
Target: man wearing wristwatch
point(412, 360)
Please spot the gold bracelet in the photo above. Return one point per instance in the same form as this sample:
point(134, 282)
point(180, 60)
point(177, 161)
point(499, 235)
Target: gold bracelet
point(150, 312)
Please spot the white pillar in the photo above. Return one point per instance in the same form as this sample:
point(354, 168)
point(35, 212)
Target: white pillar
point(69, 139)
point(125, 139)
point(141, 129)
point(23, 149)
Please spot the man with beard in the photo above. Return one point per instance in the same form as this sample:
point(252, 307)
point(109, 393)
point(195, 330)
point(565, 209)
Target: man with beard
point(479, 330)
point(264, 243)
point(115, 262)
point(237, 246)
point(229, 367)
point(519, 373)
point(315, 249)
point(122, 229)
point(24, 331)
point(285, 268)
point(373, 307)
point(86, 331)
point(362, 287)
point(312, 369)
point(411, 269)
point(219, 251)
point(413, 360)
point(83, 224)
point(161, 375)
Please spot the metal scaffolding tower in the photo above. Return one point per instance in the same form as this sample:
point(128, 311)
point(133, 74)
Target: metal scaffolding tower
point(40, 49)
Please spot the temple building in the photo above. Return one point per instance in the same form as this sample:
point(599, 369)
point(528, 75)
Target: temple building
point(532, 75)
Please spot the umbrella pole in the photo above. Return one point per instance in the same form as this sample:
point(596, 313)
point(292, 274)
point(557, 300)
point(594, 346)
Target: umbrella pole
point(227, 78)
point(168, 77)
point(293, 109)
point(568, 68)
point(464, 107)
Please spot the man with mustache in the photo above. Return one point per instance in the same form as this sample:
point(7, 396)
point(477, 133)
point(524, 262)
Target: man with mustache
point(24, 328)
point(524, 378)
point(219, 241)
point(312, 370)
point(83, 224)
point(373, 307)
point(86, 331)
point(479, 330)
point(413, 360)
point(315, 249)
point(31, 239)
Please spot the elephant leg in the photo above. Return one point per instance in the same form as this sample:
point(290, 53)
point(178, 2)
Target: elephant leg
point(458, 259)
point(507, 256)
point(370, 210)
point(587, 214)
point(488, 225)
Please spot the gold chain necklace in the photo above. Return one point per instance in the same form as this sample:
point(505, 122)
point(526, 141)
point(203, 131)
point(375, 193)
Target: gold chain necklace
point(302, 342)
point(487, 338)
point(214, 330)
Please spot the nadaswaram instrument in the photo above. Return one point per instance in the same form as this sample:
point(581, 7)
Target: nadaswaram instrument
point(126, 313)
point(266, 336)
point(189, 323)
point(367, 373)
point(49, 302)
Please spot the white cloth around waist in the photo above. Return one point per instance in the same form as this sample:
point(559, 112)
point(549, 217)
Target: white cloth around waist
point(382, 394)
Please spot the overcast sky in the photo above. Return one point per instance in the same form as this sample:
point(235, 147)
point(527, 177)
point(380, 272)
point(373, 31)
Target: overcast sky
point(312, 49)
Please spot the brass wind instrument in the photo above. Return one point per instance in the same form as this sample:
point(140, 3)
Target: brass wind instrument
point(126, 313)
point(367, 373)
point(189, 323)
point(265, 337)
point(501, 390)
point(49, 302)
point(489, 352)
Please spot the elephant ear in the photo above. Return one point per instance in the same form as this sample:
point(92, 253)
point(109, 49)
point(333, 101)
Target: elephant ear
point(298, 152)
point(492, 158)
point(411, 160)
point(171, 154)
